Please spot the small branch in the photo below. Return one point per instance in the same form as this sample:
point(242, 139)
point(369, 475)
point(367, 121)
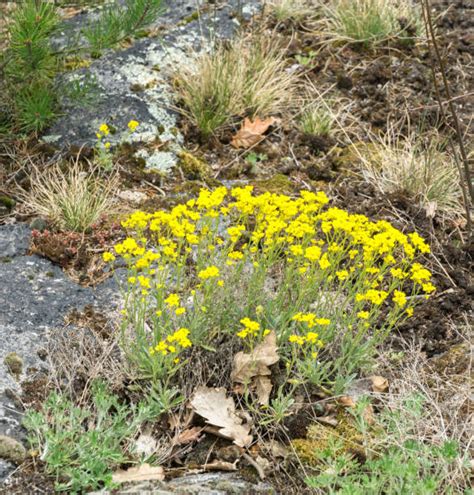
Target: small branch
point(426, 4)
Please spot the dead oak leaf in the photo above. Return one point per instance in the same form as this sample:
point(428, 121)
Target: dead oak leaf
point(263, 389)
point(379, 383)
point(190, 435)
point(251, 132)
point(253, 368)
point(219, 410)
point(145, 472)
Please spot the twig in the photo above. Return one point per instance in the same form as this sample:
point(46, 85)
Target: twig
point(467, 173)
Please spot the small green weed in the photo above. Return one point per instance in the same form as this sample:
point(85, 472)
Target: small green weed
point(253, 158)
point(81, 446)
point(306, 59)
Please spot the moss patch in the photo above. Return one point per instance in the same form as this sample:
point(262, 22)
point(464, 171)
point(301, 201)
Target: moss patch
point(344, 438)
point(278, 184)
point(14, 363)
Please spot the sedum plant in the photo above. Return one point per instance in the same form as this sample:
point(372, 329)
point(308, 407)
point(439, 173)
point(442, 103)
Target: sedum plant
point(230, 264)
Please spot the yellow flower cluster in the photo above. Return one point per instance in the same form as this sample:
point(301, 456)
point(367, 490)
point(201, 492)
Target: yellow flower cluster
point(209, 272)
point(230, 233)
point(250, 328)
point(173, 343)
point(310, 319)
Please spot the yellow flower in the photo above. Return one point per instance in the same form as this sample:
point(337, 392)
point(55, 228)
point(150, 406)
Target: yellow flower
point(399, 298)
point(235, 255)
point(132, 125)
point(296, 339)
point(324, 262)
point(180, 311)
point(108, 257)
point(342, 275)
point(107, 145)
point(209, 272)
point(104, 129)
point(172, 300)
point(364, 315)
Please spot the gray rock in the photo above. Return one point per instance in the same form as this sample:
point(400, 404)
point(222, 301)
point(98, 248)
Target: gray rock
point(12, 450)
point(14, 240)
point(135, 83)
point(35, 297)
point(214, 483)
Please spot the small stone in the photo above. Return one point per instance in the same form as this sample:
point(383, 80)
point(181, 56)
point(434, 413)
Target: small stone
point(12, 450)
point(14, 363)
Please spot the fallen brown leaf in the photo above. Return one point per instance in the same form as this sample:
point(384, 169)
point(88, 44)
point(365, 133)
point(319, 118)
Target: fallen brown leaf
point(254, 369)
point(346, 401)
point(379, 383)
point(219, 410)
point(328, 420)
point(188, 436)
point(145, 472)
point(263, 389)
point(251, 133)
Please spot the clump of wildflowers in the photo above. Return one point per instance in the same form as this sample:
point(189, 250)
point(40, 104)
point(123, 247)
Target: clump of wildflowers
point(234, 263)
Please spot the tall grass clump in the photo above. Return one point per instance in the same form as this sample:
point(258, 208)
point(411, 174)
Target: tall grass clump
point(232, 266)
point(246, 78)
point(73, 199)
point(371, 21)
point(417, 167)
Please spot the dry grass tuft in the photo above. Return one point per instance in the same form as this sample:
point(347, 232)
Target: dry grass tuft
point(295, 10)
point(371, 21)
point(246, 78)
point(417, 167)
point(73, 199)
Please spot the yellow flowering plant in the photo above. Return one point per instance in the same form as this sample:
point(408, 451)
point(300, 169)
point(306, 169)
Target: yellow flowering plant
point(233, 263)
point(102, 149)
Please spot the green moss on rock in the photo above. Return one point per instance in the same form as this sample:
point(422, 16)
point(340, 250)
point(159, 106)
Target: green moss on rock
point(7, 201)
point(193, 168)
point(278, 184)
point(14, 363)
point(344, 438)
point(12, 450)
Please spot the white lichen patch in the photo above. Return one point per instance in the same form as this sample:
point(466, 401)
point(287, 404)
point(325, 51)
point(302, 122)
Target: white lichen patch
point(158, 161)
